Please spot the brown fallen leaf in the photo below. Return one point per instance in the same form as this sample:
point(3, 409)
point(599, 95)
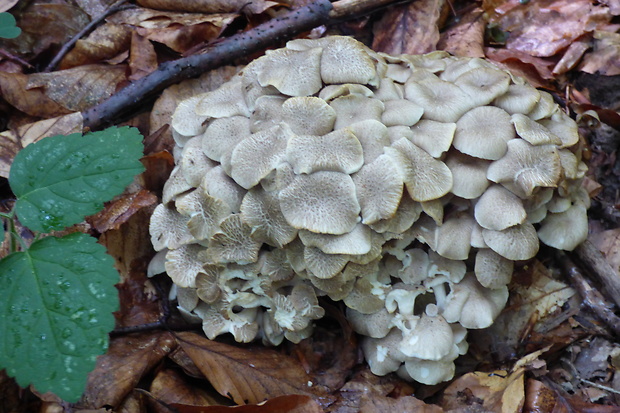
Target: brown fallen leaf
point(293, 403)
point(143, 58)
point(604, 59)
point(410, 28)
point(118, 211)
point(536, 70)
point(608, 242)
point(12, 142)
point(465, 38)
point(493, 392)
point(103, 43)
point(210, 6)
point(15, 90)
point(178, 31)
point(171, 387)
point(44, 25)
point(128, 360)
point(81, 87)
point(248, 374)
point(543, 28)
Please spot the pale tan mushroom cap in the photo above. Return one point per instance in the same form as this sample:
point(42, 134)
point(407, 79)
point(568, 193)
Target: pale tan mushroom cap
point(403, 186)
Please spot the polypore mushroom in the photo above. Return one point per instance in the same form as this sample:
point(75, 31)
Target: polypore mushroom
point(403, 186)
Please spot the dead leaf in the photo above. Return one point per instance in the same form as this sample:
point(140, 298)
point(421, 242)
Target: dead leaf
point(406, 404)
point(605, 56)
point(465, 38)
point(608, 242)
point(247, 374)
point(117, 212)
point(128, 360)
point(143, 59)
point(12, 142)
point(179, 31)
point(614, 6)
point(543, 28)
point(409, 29)
point(43, 25)
point(493, 392)
point(171, 387)
point(571, 57)
point(33, 101)
point(293, 403)
point(538, 397)
point(210, 6)
point(536, 70)
point(81, 87)
point(103, 43)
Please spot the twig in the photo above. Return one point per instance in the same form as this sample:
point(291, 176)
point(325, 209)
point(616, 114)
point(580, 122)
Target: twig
point(593, 261)
point(224, 52)
point(15, 58)
point(118, 6)
point(592, 299)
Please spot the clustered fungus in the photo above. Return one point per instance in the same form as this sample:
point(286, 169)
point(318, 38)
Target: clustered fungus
point(404, 186)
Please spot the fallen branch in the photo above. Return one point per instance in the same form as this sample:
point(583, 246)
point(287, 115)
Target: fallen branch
point(592, 298)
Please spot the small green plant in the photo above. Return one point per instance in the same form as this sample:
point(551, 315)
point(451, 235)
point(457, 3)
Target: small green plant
point(8, 29)
point(58, 293)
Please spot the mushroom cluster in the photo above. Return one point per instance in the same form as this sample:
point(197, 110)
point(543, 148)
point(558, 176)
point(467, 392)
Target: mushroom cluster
point(404, 186)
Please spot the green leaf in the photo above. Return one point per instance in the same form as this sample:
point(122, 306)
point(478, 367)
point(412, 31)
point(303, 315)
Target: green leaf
point(56, 312)
point(60, 180)
point(8, 30)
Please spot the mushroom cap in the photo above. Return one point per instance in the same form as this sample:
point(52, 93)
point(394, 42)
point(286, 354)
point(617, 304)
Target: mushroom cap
point(450, 236)
point(483, 132)
point(472, 305)
point(434, 137)
point(527, 166)
point(401, 112)
point(428, 371)
point(168, 228)
point(498, 209)
point(308, 115)
point(356, 242)
point(225, 101)
point(322, 265)
point(533, 132)
point(483, 84)
point(430, 339)
point(379, 189)
point(185, 121)
point(257, 155)
point(194, 164)
point(383, 355)
point(516, 243)
point(218, 184)
point(323, 202)
point(261, 211)
point(518, 99)
point(442, 101)
point(267, 112)
point(425, 177)
point(233, 243)
point(373, 136)
point(565, 230)
point(184, 263)
point(222, 135)
point(292, 72)
point(204, 211)
point(375, 325)
point(337, 151)
point(469, 174)
point(355, 108)
point(561, 125)
point(492, 270)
